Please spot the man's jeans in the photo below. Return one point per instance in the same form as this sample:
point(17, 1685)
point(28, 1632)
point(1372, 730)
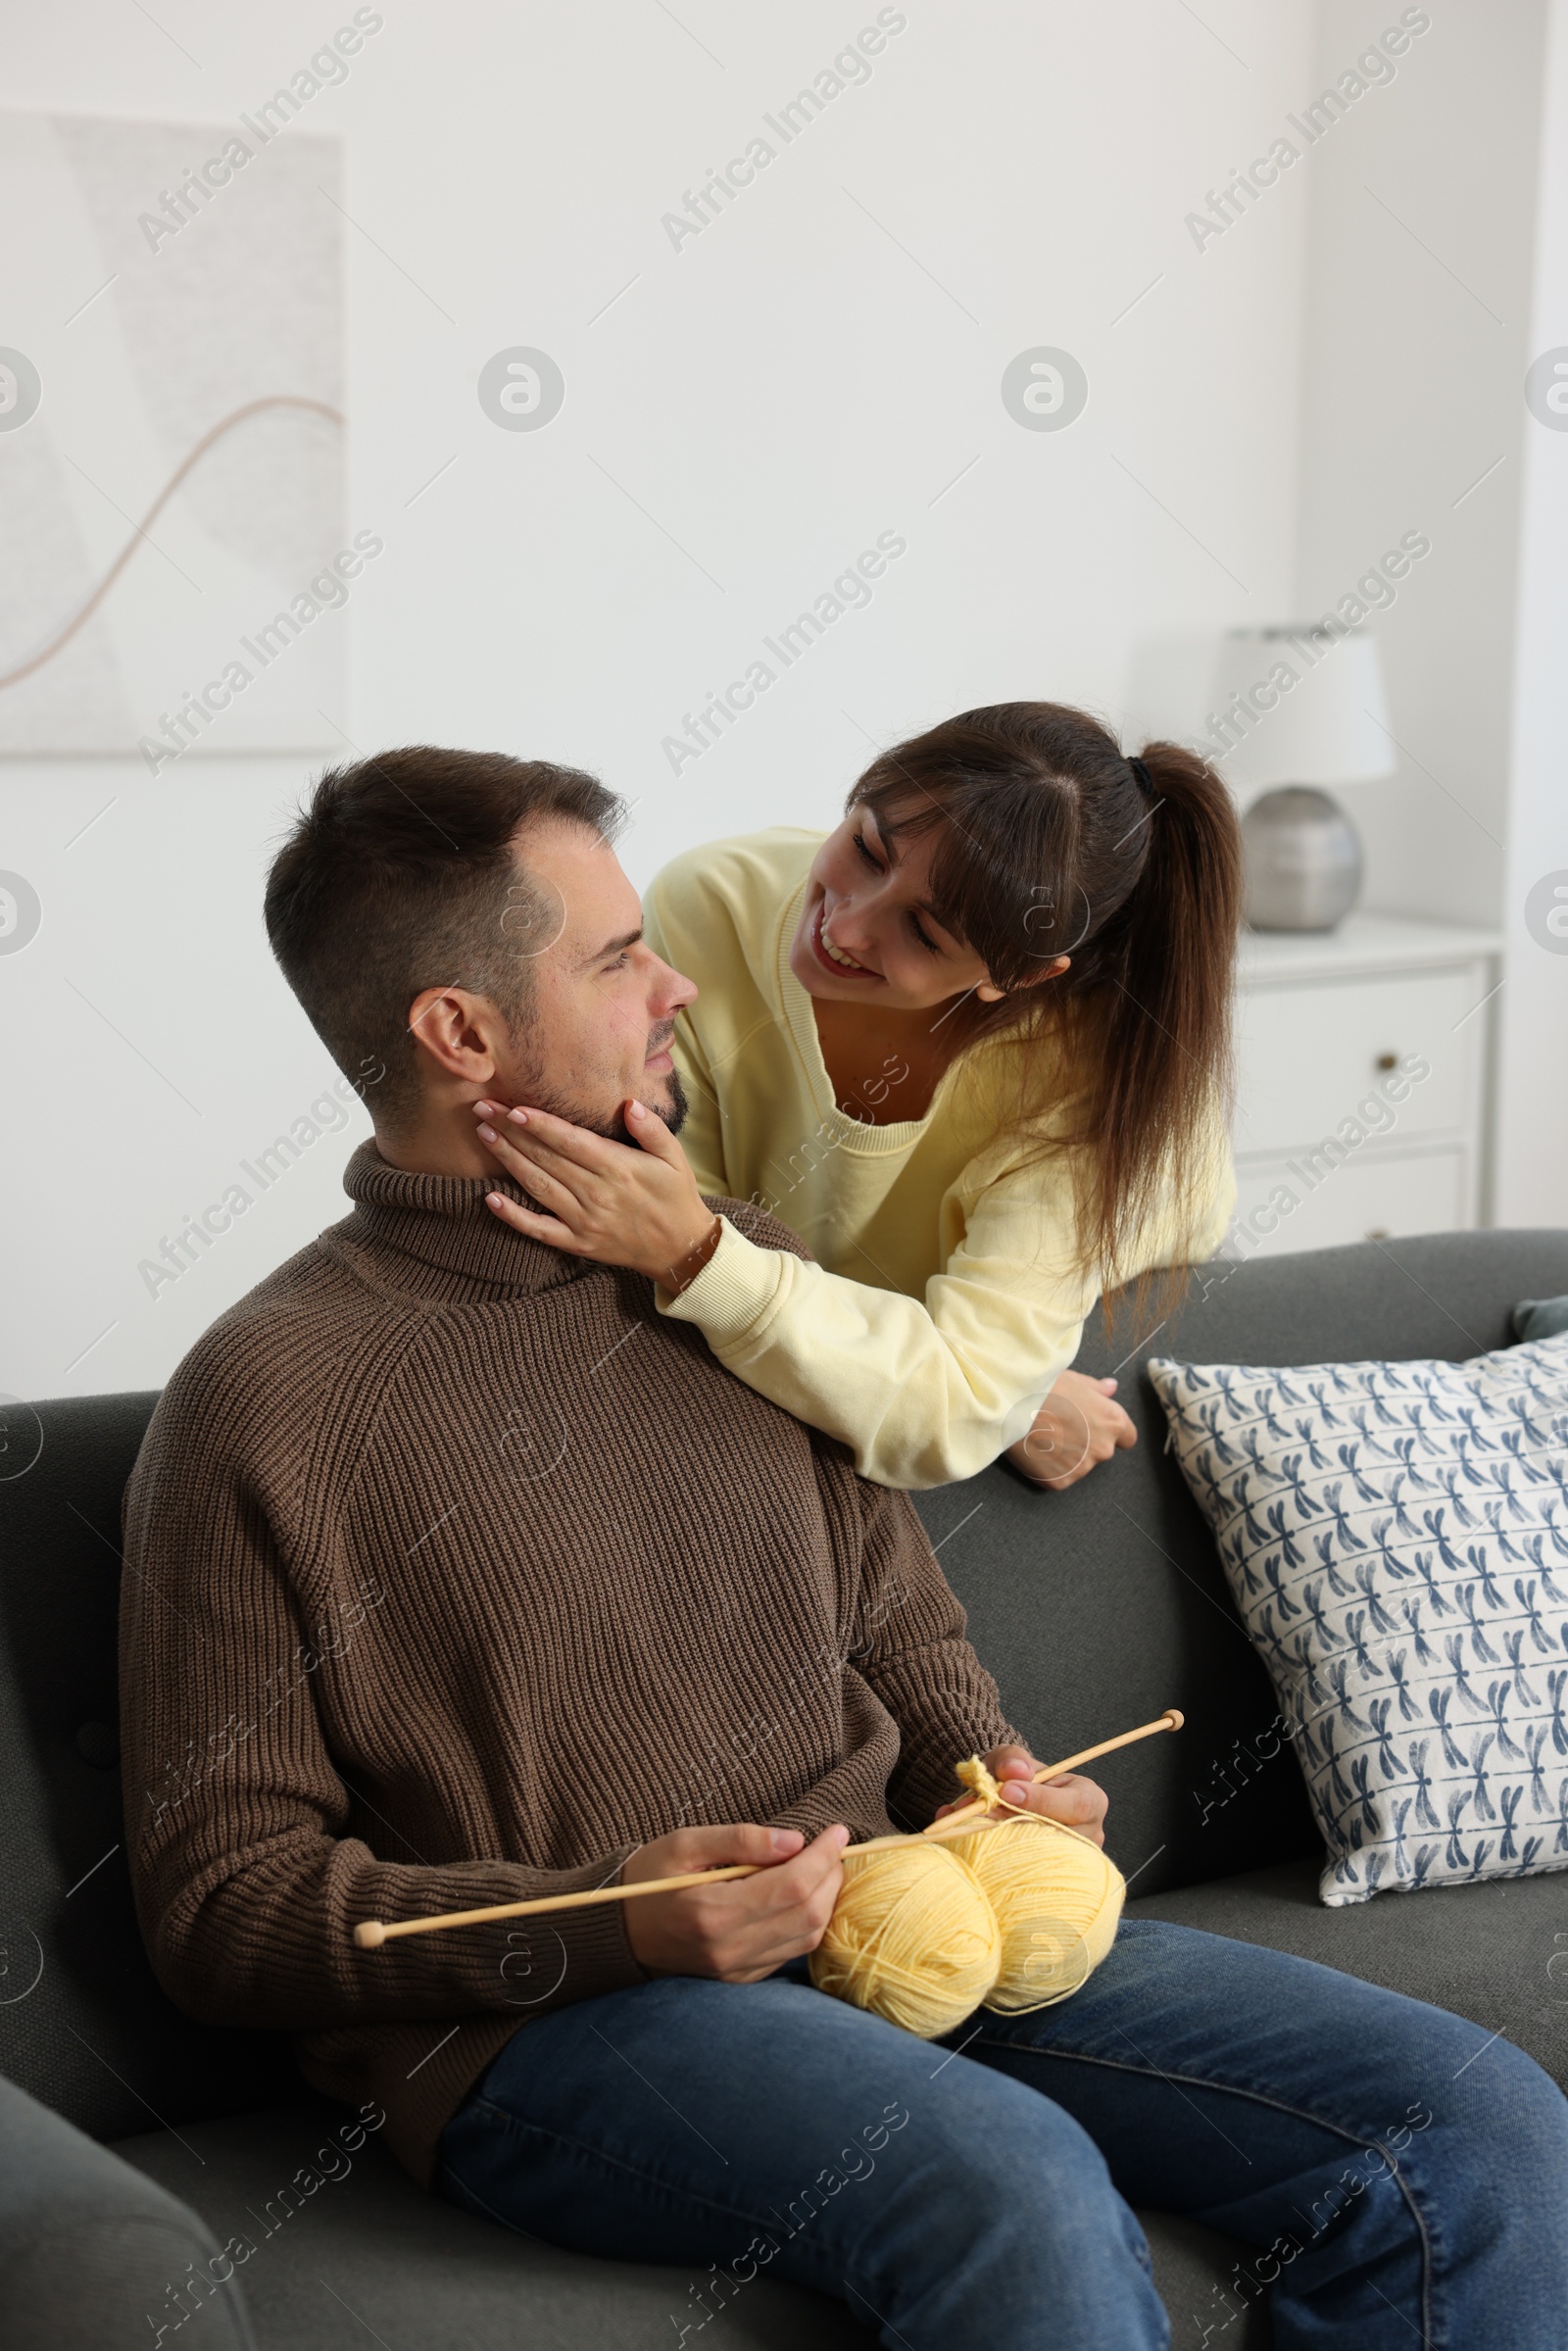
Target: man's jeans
point(1397, 2178)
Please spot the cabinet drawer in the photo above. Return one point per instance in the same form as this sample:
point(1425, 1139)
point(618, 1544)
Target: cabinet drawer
point(1380, 1195)
point(1308, 1054)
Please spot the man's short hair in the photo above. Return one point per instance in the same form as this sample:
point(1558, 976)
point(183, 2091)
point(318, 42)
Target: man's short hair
point(400, 875)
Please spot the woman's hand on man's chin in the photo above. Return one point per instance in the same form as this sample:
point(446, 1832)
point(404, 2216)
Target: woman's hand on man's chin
point(1079, 1424)
point(632, 1205)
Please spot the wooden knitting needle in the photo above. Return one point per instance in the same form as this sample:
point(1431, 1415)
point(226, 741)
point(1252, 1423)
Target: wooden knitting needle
point(1172, 1720)
point(371, 1934)
point(963, 1823)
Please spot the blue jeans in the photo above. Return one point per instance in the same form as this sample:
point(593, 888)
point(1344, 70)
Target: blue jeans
point(1397, 2178)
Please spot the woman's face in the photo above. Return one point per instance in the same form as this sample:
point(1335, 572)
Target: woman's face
point(866, 934)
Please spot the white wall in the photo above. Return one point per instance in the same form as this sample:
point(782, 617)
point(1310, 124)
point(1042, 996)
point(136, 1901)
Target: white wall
point(1533, 1007)
point(742, 419)
point(1417, 338)
point(148, 1049)
point(774, 394)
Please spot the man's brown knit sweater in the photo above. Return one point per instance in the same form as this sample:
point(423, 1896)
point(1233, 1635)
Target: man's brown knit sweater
point(455, 1574)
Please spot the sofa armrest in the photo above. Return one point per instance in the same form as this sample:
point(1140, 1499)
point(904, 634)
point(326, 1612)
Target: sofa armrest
point(92, 2254)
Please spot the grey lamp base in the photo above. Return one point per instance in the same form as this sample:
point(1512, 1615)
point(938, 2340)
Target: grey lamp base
point(1301, 860)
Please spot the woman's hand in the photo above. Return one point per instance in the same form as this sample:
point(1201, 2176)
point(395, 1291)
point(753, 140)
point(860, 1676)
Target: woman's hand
point(1078, 1425)
point(637, 1207)
point(1078, 1803)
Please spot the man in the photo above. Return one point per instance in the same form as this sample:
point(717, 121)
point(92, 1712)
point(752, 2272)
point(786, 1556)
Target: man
point(462, 1576)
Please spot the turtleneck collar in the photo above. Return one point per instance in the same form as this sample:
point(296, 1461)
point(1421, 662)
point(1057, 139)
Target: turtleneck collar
point(415, 1227)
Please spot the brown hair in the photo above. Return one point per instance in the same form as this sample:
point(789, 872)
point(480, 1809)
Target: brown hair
point(400, 875)
point(1051, 846)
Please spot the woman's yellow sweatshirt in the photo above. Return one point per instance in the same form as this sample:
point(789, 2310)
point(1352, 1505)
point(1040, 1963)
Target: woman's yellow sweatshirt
point(947, 1295)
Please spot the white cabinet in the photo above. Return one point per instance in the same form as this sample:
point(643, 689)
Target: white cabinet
point(1362, 1083)
point(1369, 1199)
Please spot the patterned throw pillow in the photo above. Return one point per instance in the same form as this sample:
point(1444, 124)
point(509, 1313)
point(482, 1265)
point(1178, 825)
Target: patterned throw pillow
point(1395, 1535)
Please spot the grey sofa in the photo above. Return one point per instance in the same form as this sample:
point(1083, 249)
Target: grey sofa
point(133, 2144)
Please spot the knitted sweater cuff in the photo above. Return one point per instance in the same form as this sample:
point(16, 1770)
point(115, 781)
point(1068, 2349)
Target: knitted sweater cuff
point(734, 1294)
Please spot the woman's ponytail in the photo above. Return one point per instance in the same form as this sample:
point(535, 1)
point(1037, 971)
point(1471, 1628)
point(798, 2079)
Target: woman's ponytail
point(1163, 977)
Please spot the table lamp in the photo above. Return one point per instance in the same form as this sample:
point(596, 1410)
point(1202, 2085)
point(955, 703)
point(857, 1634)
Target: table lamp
point(1297, 707)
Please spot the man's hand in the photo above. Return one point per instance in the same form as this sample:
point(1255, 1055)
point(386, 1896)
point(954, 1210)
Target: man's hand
point(744, 1928)
point(1078, 1803)
point(1079, 1424)
point(637, 1207)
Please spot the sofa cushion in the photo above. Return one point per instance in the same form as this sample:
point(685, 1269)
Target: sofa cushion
point(1540, 1317)
point(1496, 1953)
point(374, 2248)
point(93, 2252)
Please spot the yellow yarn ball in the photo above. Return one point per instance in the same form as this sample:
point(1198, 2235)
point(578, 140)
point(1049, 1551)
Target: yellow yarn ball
point(912, 1938)
point(1056, 1900)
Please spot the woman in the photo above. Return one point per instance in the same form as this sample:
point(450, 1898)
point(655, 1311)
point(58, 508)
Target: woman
point(973, 1047)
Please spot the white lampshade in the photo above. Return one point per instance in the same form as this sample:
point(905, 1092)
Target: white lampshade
point(1331, 726)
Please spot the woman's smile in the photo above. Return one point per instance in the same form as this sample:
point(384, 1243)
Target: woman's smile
point(833, 956)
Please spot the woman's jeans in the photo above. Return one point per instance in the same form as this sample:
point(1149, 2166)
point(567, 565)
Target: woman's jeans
point(1397, 2178)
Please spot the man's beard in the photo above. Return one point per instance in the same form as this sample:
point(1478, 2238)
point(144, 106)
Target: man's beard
point(674, 1118)
point(614, 1129)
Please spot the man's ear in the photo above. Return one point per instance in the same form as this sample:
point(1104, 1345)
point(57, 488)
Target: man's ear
point(461, 1033)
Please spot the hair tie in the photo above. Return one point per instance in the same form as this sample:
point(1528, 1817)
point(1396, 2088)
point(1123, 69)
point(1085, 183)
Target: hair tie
point(1143, 779)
